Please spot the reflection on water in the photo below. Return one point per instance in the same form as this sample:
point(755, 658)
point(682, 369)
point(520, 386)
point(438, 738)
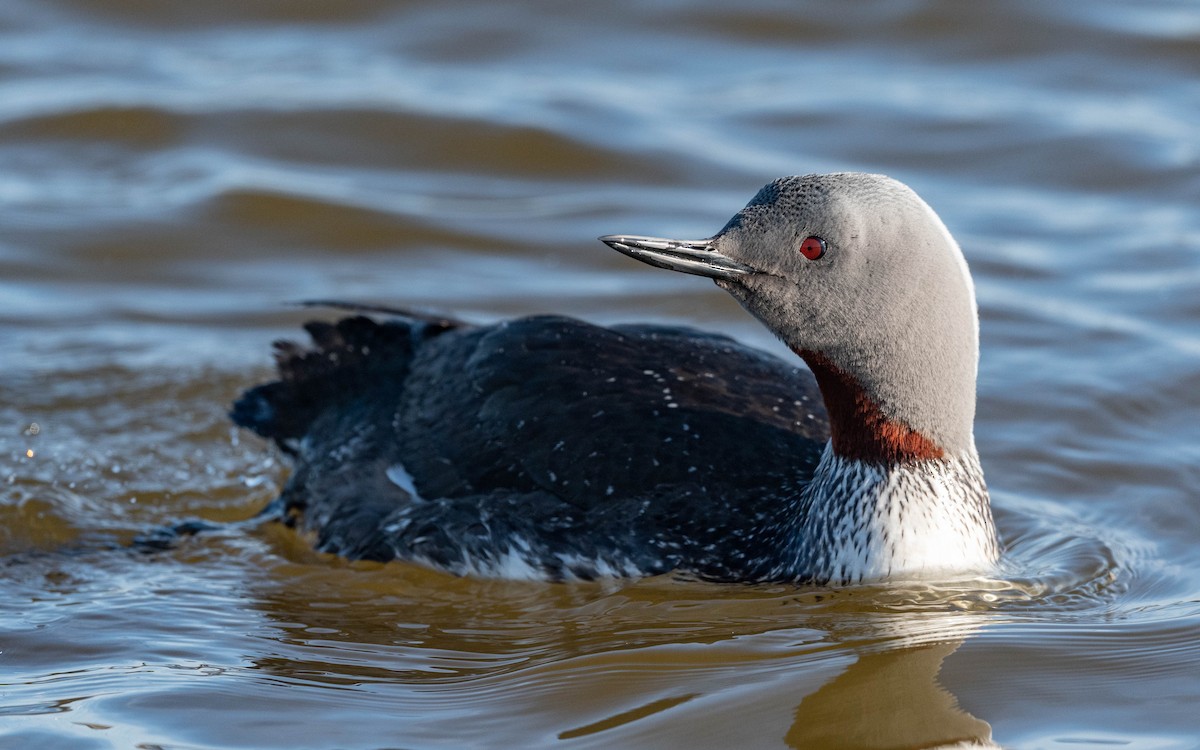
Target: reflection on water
point(170, 178)
point(887, 700)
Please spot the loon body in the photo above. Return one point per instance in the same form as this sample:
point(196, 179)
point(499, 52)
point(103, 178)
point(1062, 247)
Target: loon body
point(546, 447)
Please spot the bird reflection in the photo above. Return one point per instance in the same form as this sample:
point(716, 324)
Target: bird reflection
point(891, 699)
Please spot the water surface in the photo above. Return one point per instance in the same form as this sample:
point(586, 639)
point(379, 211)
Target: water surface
point(172, 175)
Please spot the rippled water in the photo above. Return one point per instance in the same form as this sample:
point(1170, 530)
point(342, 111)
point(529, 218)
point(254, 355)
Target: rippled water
point(172, 174)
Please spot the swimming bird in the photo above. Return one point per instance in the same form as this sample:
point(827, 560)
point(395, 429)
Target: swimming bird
point(548, 448)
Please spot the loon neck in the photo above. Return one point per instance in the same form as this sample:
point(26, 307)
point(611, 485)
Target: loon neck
point(859, 428)
point(864, 520)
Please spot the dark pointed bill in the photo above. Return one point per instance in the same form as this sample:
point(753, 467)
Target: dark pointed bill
point(689, 256)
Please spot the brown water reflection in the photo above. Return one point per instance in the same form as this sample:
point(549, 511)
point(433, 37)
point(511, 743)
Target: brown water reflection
point(887, 700)
point(612, 664)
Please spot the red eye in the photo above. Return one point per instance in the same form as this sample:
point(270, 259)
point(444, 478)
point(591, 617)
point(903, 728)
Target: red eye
point(812, 247)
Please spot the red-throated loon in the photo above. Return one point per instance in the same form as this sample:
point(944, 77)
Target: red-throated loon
point(545, 447)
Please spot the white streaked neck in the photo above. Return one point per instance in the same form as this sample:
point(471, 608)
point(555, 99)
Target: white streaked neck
point(915, 520)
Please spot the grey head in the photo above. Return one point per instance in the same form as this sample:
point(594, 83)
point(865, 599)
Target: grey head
point(857, 275)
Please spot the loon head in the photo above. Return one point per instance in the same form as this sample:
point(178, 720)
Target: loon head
point(859, 277)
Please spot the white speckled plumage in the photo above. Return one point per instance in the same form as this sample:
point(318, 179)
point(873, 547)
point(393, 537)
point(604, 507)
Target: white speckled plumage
point(913, 520)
